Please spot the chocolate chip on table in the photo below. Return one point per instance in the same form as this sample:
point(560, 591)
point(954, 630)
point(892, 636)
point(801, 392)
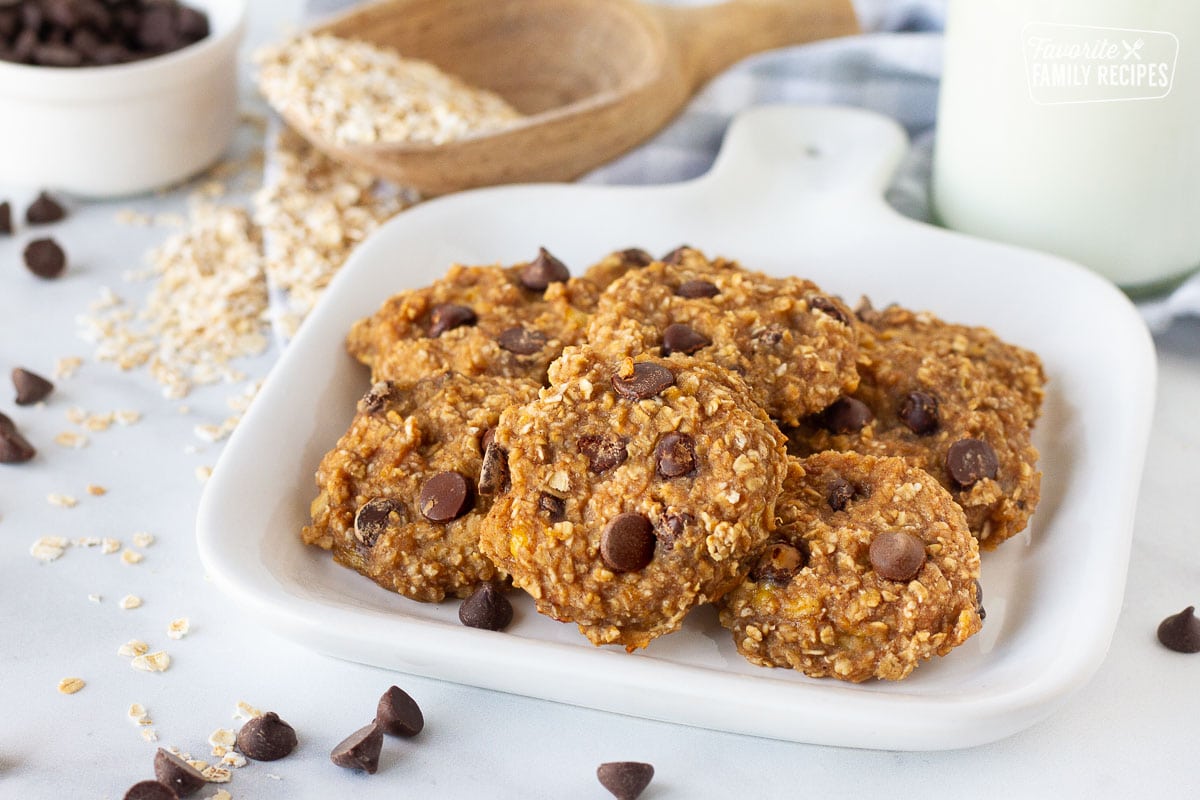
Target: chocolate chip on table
point(675, 455)
point(846, 415)
point(173, 771)
point(602, 452)
point(636, 257)
point(373, 518)
point(625, 780)
point(266, 738)
point(676, 255)
point(360, 750)
point(695, 289)
point(648, 379)
point(44, 258)
point(680, 338)
point(6, 227)
point(14, 448)
point(398, 714)
point(543, 271)
point(521, 341)
point(447, 317)
point(919, 413)
point(829, 307)
point(376, 397)
point(150, 790)
point(971, 460)
point(30, 386)
point(778, 563)
point(627, 542)
point(1181, 632)
point(555, 508)
point(897, 556)
point(445, 497)
point(44, 210)
point(487, 609)
point(493, 472)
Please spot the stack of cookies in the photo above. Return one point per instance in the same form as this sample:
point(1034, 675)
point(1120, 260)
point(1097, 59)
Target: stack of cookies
point(664, 433)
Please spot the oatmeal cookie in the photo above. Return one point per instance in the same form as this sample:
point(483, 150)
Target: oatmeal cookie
point(637, 488)
point(509, 322)
point(398, 496)
point(954, 401)
point(871, 570)
point(794, 346)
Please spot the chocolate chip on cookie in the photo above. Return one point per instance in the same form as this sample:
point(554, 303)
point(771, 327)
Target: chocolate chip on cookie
point(446, 496)
point(636, 257)
point(493, 472)
point(694, 289)
point(602, 452)
point(675, 455)
point(554, 507)
point(897, 556)
point(448, 316)
point(680, 338)
point(646, 380)
point(373, 518)
point(778, 563)
point(543, 271)
point(627, 543)
point(676, 255)
point(824, 304)
point(376, 398)
point(919, 412)
point(840, 493)
point(846, 415)
point(521, 341)
point(971, 460)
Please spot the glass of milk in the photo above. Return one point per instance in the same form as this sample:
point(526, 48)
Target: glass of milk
point(1073, 126)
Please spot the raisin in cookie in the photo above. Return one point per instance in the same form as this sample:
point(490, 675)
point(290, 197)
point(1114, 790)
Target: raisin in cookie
point(510, 322)
point(399, 500)
point(637, 488)
point(956, 402)
point(794, 346)
point(871, 571)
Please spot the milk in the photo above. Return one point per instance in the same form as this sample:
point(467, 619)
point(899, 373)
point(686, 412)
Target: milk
point(1073, 126)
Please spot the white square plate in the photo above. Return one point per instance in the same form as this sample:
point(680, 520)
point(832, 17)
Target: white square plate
point(796, 190)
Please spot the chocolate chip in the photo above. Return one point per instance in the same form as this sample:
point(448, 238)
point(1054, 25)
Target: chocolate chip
point(671, 527)
point(676, 255)
point(636, 257)
point(359, 750)
point(1181, 632)
point(487, 608)
point(398, 714)
point(919, 412)
point(680, 338)
point(543, 271)
point(694, 289)
point(173, 771)
point(897, 556)
point(846, 415)
point(44, 258)
point(14, 449)
point(30, 386)
point(555, 508)
point(449, 316)
point(675, 455)
point(376, 397)
point(602, 452)
point(44, 210)
point(266, 738)
point(778, 563)
point(767, 335)
point(374, 517)
point(839, 494)
point(446, 496)
point(521, 341)
point(829, 307)
point(979, 609)
point(493, 472)
point(648, 379)
point(150, 790)
point(156, 32)
point(627, 542)
point(971, 460)
point(625, 780)
point(6, 227)
point(56, 55)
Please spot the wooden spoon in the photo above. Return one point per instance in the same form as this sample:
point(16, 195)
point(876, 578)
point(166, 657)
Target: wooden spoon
point(596, 77)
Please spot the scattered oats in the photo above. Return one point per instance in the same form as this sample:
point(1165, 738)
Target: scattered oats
point(178, 628)
point(170, 219)
point(67, 366)
point(191, 449)
point(134, 647)
point(149, 734)
point(70, 685)
point(215, 433)
point(221, 795)
point(108, 545)
point(127, 417)
point(232, 759)
point(95, 490)
point(49, 548)
point(197, 763)
point(151, 662)
point(75, 415)
point(138, 715)
point(241, 401)
point(63, 500)
point(273, 776)
point(184, 409)
point(86, 541)
point(94, 598)
point(219, 752)
point(143, 539)
point(222, 737)
point(130, 602)
point(203, 473)
point(128, 216)
point(107, 299)
point(246, 711)
point(98, 422)
point(216, 774)
point(71, 439)
point(132, 557)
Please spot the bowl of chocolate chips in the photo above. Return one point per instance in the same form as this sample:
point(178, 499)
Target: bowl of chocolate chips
point(105, 98)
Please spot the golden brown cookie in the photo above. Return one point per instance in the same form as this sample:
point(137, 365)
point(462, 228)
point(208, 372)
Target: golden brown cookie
point(616, 264)
point(637, 489)
point(871, 570)
point(794, 346)
point(398, 495)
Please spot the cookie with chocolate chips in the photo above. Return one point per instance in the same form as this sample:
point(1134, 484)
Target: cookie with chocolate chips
point(793, 345)
point(616, 265)
point(401, 496)
point(637, 488)
point(871, 571)
point(955, 401)
point(483, 320)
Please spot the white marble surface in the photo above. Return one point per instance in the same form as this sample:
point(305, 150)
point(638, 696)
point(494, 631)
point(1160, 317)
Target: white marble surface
point(1130, 732)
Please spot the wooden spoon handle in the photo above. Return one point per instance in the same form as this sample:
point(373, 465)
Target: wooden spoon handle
point(709, 39)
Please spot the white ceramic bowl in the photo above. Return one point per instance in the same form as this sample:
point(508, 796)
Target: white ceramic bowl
point(124, 129)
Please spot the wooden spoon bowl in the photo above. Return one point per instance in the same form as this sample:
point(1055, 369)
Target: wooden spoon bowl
point(595, 77)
